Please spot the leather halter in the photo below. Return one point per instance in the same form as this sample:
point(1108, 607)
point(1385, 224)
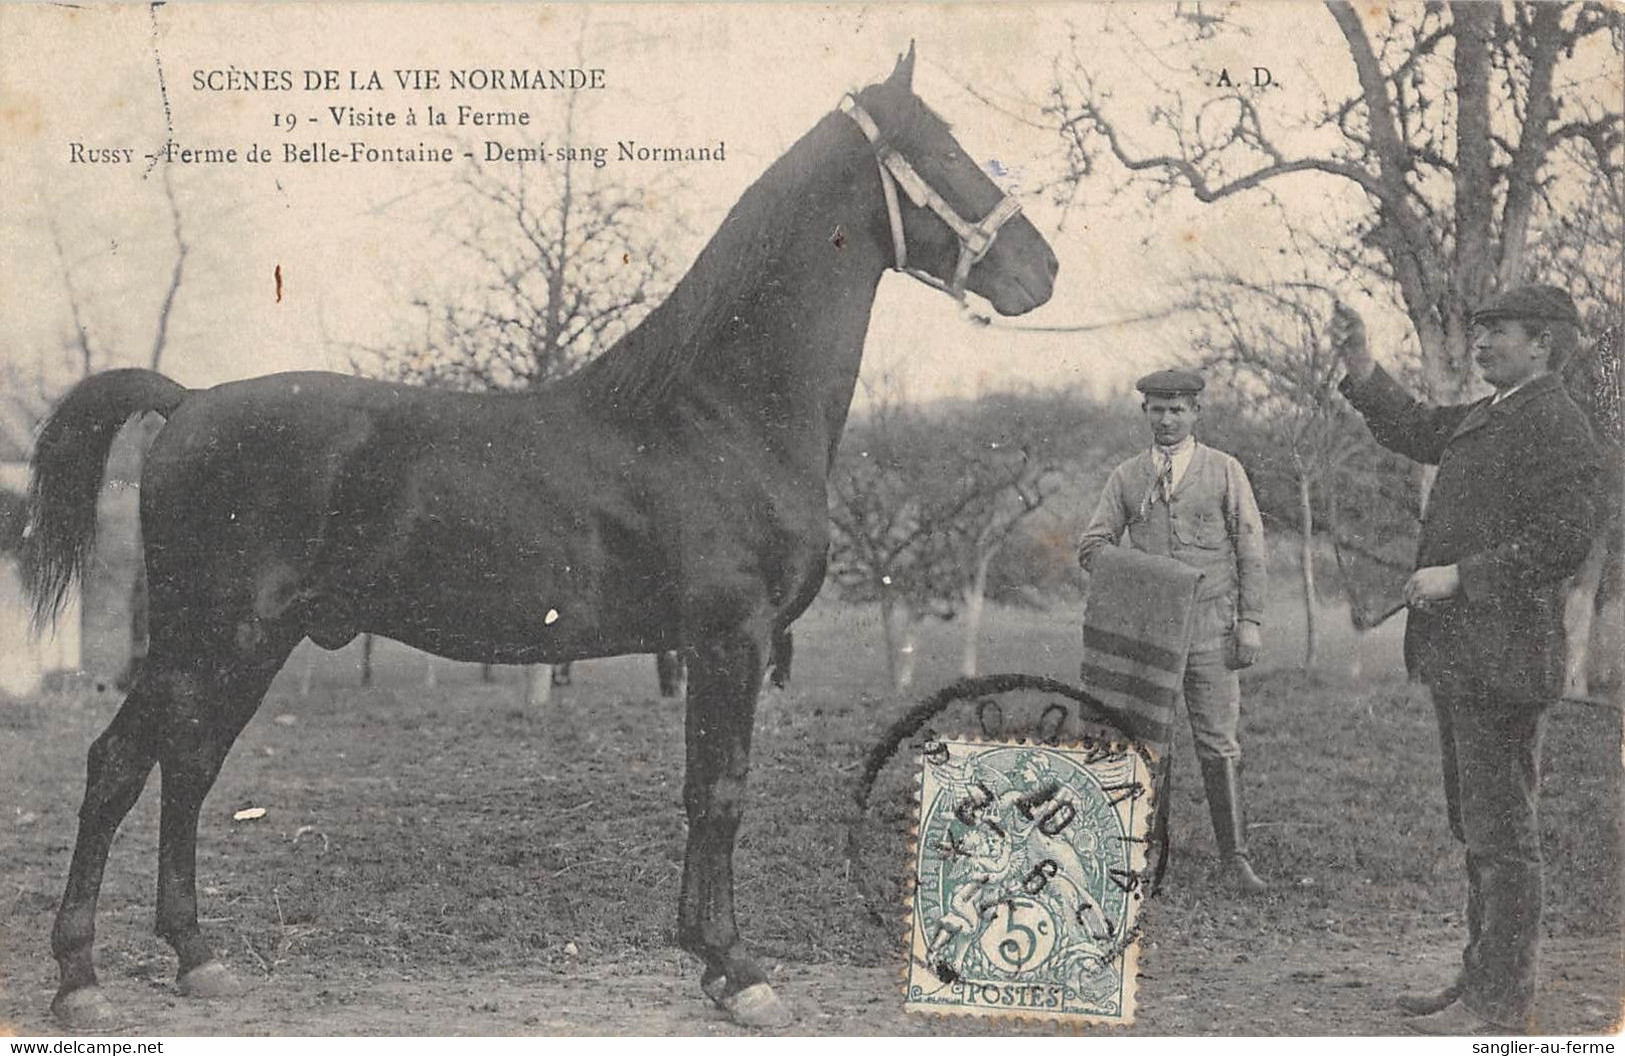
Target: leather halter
point(895, 171)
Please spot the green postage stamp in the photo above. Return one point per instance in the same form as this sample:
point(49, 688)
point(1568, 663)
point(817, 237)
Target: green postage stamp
point(1027, 880)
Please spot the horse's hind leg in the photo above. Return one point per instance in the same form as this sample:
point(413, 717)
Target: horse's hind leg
point(187, 723)
point(116, 771)
point(724, 680)
point(207, 715)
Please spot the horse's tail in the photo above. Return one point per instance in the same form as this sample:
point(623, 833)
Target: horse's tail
point(66, 477)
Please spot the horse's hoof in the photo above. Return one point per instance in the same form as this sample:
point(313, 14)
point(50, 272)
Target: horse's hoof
point(210, 980)
point(757, 1006)
point(715, 987)
point(84, 1009)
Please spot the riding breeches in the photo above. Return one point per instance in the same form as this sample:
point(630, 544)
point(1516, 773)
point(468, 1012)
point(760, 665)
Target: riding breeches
point(1213, 702)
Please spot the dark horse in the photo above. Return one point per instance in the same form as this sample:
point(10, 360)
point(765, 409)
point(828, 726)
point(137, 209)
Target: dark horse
point(672, 670)
point(669, 495)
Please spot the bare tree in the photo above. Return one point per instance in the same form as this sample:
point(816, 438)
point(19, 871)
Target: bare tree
point(29, 391)
point(1578, 246)
point(30, 394)
point(1473, 138)
point(160, 337)
point(1268, 343)
point(1453, 139)
point(881, 522)
point(1007, 454)
point(568, 261)
point(923, 501)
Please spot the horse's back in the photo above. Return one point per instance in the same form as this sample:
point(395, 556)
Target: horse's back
point(279, 436)
point(308, 424)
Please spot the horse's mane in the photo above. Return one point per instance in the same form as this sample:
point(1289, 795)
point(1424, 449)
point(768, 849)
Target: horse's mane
point(635, 374)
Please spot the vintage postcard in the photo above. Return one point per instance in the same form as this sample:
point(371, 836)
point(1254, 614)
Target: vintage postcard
point(493, 496)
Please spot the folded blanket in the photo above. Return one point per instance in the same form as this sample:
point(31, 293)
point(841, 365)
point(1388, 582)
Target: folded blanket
point(1136, 633)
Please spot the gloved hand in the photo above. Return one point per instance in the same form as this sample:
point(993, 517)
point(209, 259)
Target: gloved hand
point(1348, 340)
point(1435, 583)
point(1249, 643)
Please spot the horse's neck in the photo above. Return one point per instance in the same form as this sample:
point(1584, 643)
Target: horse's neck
point(790, 360)
point(766, 330)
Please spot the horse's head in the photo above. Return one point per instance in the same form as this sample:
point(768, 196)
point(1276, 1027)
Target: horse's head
point(950, 224)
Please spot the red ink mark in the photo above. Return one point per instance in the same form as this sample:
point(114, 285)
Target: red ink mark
point(279, 284)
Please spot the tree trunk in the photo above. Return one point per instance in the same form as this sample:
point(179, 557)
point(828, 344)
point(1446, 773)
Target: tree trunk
point(1523, 185)
point(139, 634)
point(1306, 528)
point(671, 671)
point(1607, 656)
point(1473, 251)
point(366, 660)
point(1579, 612)
point(538, 684)
point(901, 629)
point(975, 595)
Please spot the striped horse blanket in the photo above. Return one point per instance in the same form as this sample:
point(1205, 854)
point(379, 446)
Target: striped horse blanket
point(1136, 633)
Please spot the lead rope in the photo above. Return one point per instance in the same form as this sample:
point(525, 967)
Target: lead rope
point(982, 319)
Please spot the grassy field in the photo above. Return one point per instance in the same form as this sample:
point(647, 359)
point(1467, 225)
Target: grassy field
point(416, 833)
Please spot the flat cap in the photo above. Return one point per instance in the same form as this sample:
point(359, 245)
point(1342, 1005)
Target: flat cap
point(1529, 302)
point(1171, 383)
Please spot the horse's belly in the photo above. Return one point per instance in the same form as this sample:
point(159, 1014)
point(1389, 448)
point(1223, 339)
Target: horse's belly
point(472, 649)
point(524, 617)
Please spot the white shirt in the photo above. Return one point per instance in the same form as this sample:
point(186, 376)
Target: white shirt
point(1181, 454)
point(1498, 397)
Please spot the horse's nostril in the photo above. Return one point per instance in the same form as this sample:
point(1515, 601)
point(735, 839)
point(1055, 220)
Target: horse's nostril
point(1053, 262)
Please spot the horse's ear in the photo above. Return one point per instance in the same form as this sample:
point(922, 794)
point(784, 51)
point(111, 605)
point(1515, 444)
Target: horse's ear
point(903, 75)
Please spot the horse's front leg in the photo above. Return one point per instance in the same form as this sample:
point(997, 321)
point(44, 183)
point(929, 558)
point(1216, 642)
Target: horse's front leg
point(724, 680)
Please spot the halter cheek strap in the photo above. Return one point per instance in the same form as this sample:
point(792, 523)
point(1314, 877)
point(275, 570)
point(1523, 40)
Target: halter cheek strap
point(895, 171)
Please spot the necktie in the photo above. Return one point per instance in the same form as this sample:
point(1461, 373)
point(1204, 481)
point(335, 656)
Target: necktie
point(1163, 485)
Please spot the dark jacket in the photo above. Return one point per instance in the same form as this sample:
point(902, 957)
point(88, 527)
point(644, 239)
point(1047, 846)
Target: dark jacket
point(1514, 507)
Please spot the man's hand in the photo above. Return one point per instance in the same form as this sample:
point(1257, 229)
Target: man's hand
point(1249, 643)
point(1348, 341)
point(1434, 583)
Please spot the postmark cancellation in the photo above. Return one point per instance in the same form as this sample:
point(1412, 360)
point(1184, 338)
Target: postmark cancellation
point(1028, 865)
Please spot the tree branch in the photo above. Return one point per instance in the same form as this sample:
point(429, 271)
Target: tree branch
point(1212, 192)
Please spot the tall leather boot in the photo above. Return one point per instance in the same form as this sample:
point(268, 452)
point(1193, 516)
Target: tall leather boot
point(1224, 803)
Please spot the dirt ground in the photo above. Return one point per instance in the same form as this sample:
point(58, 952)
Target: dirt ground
point(1323, 985)
point(440, 860)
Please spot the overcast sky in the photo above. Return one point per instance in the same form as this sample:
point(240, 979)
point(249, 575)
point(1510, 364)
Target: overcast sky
point(356, 244)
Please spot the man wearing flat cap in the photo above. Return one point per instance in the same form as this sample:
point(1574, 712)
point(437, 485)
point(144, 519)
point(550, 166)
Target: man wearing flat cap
point(1185, 500)
point(1510, 516)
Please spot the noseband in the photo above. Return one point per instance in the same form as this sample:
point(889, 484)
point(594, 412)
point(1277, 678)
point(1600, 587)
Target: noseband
point(895, 171)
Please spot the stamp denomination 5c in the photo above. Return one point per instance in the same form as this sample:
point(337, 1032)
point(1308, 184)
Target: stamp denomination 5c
point(1027, 880)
